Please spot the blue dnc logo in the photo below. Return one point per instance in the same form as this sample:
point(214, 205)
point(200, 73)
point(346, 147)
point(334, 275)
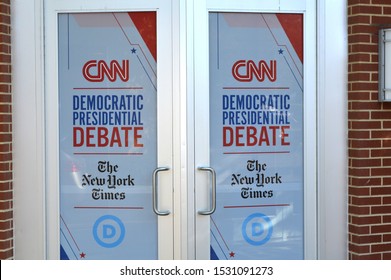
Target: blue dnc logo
point(108, 231)
point(257, 229)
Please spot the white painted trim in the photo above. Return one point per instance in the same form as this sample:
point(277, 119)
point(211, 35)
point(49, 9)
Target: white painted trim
point(332, 129)
point(190, 128)
point(181, 221)
point(310, 132)
point(201, 128)
point(28, 129)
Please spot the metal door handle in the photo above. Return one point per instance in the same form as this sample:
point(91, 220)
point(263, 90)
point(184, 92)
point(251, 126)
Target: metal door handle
point(213, 206)
point(155, 192)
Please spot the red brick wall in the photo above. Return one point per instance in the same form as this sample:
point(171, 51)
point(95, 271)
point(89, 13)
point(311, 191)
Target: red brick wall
point(369, 135)
point(6, 224)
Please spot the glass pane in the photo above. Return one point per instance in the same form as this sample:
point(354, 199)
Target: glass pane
point(256, 135)
point(107, 116)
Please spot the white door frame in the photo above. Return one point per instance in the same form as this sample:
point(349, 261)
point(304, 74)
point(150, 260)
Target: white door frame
point(29, 164)
point(201, 105)
point(164, 113)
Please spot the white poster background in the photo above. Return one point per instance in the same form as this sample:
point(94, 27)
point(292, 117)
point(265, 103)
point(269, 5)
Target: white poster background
point(105, 175)
point(256, 142)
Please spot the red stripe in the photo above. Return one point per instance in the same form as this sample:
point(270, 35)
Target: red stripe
point(293, 26)
point(145, 23)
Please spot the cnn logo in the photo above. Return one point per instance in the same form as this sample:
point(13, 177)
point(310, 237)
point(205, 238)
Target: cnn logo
point(246, 70)
point(96, 71)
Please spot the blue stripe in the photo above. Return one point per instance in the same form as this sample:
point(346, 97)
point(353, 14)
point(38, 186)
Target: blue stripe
point(219, 245)
point(63, 254)
point(68, 245)
point(213, 255)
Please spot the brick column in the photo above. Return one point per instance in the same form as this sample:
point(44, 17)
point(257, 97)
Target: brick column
point(6, 224)
point(369, 135)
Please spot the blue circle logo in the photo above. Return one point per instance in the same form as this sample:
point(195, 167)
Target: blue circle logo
point(109, 231)
point(257, 229)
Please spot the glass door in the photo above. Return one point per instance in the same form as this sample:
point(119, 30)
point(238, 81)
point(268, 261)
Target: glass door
point(109, 130)
point(255, 187)
point(180, 129)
